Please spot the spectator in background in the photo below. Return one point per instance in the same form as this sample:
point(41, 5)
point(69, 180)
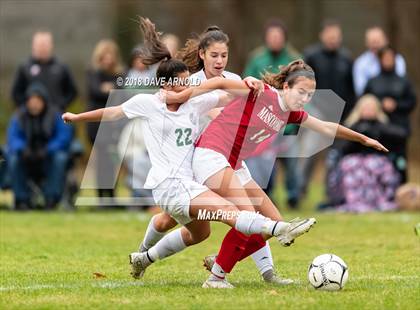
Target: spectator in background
point(44, 67)
point(37, 143)
point(367, 66)
point(276, 52)
point(101, 79)
point(132, 149)
point(138, 71)
point(332, 64)
point(3, 169)
point(398, 101)
point(365, 180)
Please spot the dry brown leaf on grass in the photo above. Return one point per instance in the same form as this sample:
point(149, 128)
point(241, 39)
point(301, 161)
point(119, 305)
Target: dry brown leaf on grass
point(98, 275)
point(273, 292)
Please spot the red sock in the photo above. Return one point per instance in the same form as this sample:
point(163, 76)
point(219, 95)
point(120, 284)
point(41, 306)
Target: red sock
point(231, 250)
point(255, 242)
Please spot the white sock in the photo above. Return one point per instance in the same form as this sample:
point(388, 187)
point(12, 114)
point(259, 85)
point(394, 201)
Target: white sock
point(151, 237)
point(217, 271)
point(263, 258)
point(250, 223)
point(170, 244)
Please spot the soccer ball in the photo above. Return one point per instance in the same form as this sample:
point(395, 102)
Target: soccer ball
point(328, 272)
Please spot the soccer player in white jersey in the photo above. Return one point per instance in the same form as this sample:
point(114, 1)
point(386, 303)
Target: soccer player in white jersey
point(169, 134)
point(207, 56)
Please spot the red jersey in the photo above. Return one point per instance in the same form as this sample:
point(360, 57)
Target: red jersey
point(245, 123)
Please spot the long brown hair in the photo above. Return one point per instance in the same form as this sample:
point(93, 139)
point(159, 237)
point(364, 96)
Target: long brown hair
point(155, 51)
point(190, 52)
point(289, 73)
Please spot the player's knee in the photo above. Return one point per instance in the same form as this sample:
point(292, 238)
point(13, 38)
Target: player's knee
point(163, 222)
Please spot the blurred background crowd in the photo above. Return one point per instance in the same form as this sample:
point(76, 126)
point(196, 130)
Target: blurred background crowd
point(375, 73)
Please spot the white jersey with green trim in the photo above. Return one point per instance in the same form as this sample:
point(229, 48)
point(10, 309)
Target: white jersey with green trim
point(169, 136)
point(200, 76)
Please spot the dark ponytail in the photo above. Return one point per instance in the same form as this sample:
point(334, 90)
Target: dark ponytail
point(190, 53)
point(212, 28)
point(155, 51)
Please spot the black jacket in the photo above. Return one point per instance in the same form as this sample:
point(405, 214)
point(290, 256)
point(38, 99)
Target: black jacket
point(389, 84)
point(388, 134)
point(333, 70)
point(97, 99)
point(54, 75)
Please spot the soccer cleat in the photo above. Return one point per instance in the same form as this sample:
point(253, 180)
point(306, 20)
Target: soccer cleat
point(214, 282)
point(139, 262)
point(296, 228)
point(208, 261)
point(271, 277)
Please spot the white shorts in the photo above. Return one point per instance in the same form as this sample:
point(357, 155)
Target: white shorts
point(207, 162)
point(174, 196)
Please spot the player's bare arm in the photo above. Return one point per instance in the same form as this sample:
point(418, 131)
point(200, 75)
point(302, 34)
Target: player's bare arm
point(339, 131)
point(104, 114)
point(236, 88)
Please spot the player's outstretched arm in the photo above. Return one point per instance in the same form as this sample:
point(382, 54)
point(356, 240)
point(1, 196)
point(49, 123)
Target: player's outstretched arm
point(339, 131)
point(104, 114)
point(237, 88)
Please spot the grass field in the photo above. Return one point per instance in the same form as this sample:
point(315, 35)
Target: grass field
point(49, 260)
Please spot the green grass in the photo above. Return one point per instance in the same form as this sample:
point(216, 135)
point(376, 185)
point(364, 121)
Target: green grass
point(48, 261)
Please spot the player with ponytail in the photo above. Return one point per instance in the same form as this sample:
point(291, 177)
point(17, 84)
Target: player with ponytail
point(241, 127)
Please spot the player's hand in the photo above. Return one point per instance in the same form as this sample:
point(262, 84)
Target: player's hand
point(255, 84)
point(171, 97)
point(162, 95)
point(375, 144)
point(389, 104)
point(106, 87)
point(69, 117)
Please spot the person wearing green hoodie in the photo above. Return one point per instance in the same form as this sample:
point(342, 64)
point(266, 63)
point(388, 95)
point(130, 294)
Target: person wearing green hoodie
point(268, 58)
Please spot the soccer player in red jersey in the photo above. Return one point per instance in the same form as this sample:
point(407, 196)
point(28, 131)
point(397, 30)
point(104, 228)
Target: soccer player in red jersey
point(245, 123)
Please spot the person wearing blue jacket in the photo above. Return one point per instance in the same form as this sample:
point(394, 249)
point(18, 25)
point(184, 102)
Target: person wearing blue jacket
point(37, 149)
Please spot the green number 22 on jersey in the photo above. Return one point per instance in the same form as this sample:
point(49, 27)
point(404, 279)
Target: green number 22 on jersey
point(181, 140)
